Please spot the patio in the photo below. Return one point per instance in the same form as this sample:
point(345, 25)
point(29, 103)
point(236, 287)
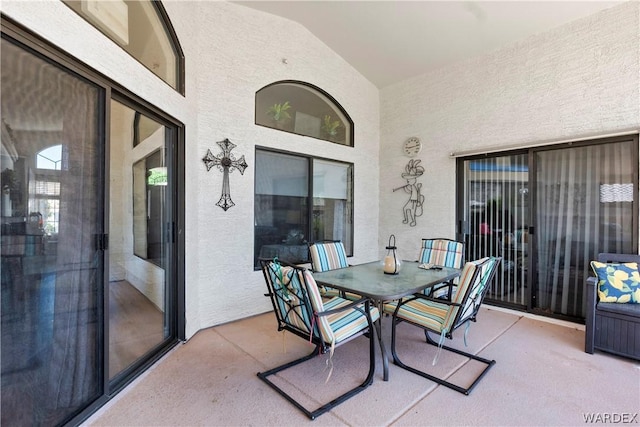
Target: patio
point(542, 377)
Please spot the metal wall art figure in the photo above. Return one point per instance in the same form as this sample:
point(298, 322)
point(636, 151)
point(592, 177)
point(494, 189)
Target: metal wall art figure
point(226, 162)
point(413, 208)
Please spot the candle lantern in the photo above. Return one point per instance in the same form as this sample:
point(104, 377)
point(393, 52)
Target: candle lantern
point(391, 261)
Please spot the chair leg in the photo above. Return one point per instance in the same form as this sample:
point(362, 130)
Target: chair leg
point(463, 390)
point(335, 402)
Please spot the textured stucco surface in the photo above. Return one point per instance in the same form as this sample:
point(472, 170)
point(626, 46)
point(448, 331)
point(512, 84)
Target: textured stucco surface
point(230, 53)
point(578, 80)
point(238, 56)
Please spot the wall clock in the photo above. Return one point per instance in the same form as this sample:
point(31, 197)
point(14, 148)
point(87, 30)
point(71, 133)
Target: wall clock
point(412, 146)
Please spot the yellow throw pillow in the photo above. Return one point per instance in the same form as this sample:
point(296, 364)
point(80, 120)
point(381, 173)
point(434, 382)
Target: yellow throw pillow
point(617, 282)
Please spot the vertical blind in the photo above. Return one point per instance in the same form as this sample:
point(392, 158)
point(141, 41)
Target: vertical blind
point(575, 222)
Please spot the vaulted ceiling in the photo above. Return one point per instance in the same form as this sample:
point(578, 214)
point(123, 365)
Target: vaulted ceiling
point(389, 41)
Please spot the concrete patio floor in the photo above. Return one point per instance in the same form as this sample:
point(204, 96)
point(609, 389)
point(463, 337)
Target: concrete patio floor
point(542, 377)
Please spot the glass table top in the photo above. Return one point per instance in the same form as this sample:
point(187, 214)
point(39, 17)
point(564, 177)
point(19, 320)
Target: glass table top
point(370, 281)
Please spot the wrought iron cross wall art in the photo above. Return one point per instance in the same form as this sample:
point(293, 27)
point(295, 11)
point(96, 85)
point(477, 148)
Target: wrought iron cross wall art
point(226, 162)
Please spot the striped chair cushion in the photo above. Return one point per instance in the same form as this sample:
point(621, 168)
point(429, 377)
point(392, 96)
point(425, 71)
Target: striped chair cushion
point(290, 298)
point(434, 315)
point(442, 252)
point(445, 253)
point(483, 281)
point(467, 280)
point(328, 256)
point(337, 327)
point(428, 314)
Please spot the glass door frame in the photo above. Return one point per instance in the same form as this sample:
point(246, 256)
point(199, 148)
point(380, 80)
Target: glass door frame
point(462, 226)
point(531, 290)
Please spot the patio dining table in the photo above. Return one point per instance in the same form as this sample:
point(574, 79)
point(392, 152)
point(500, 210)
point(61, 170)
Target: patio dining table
point(369, 280)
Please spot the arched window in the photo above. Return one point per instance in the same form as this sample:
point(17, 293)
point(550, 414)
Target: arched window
point(50, 158)
point(143, 29)
point(304, 109)
point(44, 190)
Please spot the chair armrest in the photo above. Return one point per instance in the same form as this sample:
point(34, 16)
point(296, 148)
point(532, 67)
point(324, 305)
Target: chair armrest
point(346, 307)
point(443, 285)
point(428, 298)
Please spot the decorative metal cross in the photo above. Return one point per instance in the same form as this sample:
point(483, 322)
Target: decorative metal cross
point(226, 162)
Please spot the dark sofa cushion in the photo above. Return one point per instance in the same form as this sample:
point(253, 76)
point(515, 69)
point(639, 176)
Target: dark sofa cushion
point(628, 309)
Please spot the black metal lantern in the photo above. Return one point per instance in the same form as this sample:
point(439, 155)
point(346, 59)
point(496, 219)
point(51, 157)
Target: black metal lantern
point(391, 261)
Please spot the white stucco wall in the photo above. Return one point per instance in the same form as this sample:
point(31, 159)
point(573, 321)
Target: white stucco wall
point(241, 51)
point(230, 52)
point(578, 80)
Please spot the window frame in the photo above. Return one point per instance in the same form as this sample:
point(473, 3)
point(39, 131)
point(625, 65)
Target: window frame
point(309, 158)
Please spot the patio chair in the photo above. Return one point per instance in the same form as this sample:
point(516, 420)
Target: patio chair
point(442, 253)
point(444, 317)
point(328, 255)
point(300, 309)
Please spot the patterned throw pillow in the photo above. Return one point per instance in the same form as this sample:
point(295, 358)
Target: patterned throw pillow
point(617, 282)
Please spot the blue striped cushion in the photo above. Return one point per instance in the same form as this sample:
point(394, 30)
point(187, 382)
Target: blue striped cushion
point(328, 256)
point(346, 323)
point(337, 327)
point(291, 304)
point(426, 313)
point(442, 252)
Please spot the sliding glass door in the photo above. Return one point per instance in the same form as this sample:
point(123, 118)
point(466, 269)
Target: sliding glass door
point(497, 220)
point(52, 246)
point(548, 212)
point(91, 240)
point(586, 202)
point(141, 291)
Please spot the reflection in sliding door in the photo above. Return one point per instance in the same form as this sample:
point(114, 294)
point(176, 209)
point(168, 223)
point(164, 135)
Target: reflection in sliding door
point(139, 297)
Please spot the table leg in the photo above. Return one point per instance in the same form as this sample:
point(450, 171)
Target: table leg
point(383, 349)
